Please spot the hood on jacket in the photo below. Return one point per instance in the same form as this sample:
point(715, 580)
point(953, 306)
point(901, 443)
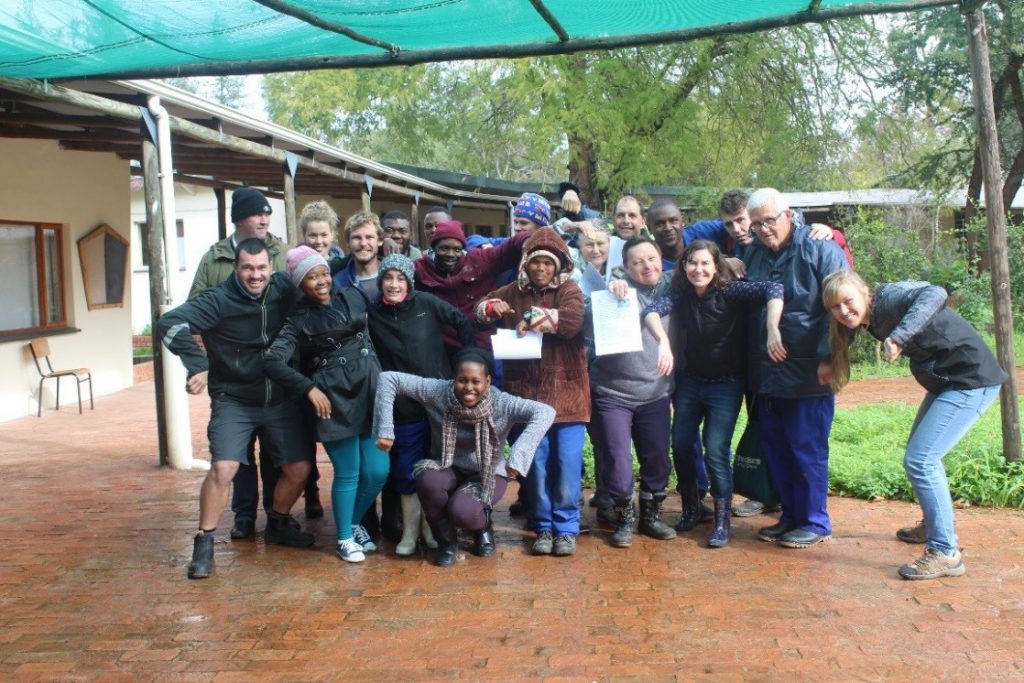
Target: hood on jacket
point(549, 242)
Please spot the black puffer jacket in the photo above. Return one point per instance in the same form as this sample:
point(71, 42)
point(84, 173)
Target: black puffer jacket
point(236, 328)
point(408, 338)
point(335, 355)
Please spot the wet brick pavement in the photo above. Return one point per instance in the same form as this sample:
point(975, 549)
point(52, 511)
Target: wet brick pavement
point(95, 538)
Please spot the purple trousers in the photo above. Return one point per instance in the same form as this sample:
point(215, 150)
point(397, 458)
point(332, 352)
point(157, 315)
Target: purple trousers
point(622, 425)
point(442, 494)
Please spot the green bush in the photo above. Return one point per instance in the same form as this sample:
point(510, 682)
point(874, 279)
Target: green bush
point(866, 458)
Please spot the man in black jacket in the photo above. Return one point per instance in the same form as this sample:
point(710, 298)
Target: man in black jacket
point(237, 320)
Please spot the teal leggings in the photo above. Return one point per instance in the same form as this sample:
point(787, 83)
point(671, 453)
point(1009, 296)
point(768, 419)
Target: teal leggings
point(360, 470)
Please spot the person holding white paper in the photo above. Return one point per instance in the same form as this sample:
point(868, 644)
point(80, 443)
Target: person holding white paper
point(545, 299)
point(631, 407)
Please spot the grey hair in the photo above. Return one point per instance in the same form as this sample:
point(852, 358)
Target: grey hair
point(767, 196)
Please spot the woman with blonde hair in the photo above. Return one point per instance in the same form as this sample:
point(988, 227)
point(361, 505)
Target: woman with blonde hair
point(954, 365)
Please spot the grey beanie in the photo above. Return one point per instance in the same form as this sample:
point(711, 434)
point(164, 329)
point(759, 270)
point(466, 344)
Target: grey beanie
point(403, 264)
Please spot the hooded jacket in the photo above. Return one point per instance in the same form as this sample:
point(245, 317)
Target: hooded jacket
point(560, 377)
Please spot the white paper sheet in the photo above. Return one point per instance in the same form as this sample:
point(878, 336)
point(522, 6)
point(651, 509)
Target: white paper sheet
point(616, 323)
point(508, 346)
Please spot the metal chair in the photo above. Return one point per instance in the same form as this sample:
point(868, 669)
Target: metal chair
point(40, 354)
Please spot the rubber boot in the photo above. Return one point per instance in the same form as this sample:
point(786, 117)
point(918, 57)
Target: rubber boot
point(427, 535)
point(201, 565)
point(411, 514)
point(622, 537)
point(391, 514)
point(691, 507)
point(483, 540)
point(719, 536)
point(447, 542)
point(650, 516)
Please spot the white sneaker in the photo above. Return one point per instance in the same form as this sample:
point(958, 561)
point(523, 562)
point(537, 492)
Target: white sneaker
point(362, 537)
point(350, 551)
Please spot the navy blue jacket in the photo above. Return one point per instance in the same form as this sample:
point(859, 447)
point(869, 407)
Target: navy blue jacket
point(800, 267)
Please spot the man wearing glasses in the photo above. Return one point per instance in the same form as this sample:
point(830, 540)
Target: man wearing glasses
point(795, 404)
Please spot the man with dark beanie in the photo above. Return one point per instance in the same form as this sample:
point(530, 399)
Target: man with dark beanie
point(250, 212)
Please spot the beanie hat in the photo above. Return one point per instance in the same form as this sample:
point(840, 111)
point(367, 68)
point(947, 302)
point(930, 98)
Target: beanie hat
point(301, 260)
point(399, 262)
point(448, 230)
point(533, 207)
point(247, 201)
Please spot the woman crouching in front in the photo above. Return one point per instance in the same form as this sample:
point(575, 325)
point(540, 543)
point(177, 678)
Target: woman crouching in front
point(469, 424)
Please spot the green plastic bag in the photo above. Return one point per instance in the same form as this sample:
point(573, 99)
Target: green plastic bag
point(750, 475)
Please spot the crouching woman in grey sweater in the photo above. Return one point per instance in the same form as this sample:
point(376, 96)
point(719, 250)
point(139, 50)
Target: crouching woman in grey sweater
point(469, 423)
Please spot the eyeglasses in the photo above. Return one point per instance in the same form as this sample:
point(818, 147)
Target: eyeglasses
point(769, 222)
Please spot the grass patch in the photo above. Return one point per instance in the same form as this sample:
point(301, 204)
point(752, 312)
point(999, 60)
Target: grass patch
point(866, 459)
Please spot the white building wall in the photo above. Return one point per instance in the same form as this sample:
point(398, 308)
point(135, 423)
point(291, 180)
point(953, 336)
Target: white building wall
point(81, 190)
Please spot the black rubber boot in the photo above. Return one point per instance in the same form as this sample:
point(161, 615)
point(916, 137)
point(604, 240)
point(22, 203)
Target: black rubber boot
point(719, 536)
point(285, 530)
point(483, 540)
point(691, 508)
point(622, 537)
point(447, 542)
point(650, 516)
point(391, 515)
point(201, 565)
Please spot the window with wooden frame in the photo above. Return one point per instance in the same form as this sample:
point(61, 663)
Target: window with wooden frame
point(31, 277)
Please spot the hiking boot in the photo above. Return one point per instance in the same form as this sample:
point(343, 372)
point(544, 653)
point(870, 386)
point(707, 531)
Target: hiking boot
point(544, 544)
point(314, 510)
point(350, 551)
point(362, 537)
point(913, 534)
point(650, 516)
point(691, 508)
point(774, 532)
point(201, 565)
point(802, 538)
point(283, 530)
point(719, 536)
point(564, 546)
point(626, 516)
point(601, 501)
point(483, 540)
point(243, 528)
point(933, 564)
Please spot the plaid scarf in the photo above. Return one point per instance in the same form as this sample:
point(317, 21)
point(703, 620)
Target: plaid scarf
point(489, 448)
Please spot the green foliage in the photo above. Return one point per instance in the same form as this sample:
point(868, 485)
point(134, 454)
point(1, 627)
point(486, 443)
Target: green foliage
point(866, 458)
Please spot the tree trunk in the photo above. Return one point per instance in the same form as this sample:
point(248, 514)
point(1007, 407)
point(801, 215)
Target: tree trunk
point(583, 171)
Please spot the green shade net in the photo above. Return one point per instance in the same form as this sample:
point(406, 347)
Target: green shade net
point(117, 38)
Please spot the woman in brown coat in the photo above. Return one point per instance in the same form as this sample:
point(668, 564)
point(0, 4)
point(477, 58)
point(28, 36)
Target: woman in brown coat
point(544, 299)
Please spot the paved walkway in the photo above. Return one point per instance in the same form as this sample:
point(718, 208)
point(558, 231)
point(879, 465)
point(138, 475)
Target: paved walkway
point(95, 540)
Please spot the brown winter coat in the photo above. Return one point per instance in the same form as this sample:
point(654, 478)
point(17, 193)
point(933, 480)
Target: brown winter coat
point(560, 377)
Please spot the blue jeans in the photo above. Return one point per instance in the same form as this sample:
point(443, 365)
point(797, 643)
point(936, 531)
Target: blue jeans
point(412, 443)
point(553, 481)
point(942, 420)
point(794, 437)
point(717, 405)
point(360, 470)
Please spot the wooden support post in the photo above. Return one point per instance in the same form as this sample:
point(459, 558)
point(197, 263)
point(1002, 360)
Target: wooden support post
point(367, 206)
point(157, 283)
point(222, 213)
point(995, 215)
point(289, 209)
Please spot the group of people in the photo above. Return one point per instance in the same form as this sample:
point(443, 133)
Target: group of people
point(382, 354)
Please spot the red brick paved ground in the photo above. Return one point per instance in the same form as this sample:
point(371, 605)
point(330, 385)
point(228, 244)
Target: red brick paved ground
point(96, 537)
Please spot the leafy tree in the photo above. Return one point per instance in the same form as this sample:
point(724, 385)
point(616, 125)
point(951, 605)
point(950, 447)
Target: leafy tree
point(698, 113)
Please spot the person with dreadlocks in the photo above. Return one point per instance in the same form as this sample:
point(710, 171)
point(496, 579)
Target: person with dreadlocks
point(469, 422)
